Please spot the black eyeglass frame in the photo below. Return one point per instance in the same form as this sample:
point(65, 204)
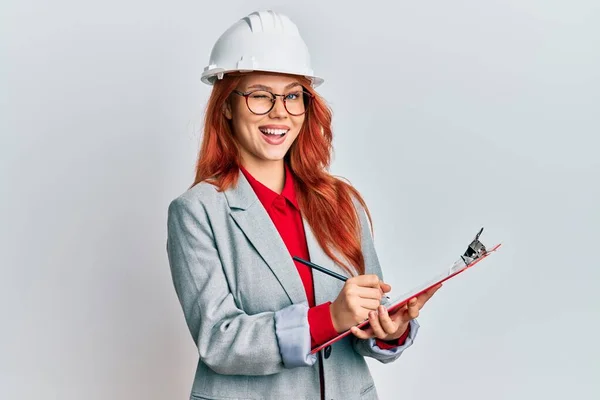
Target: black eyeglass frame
point(307, 98)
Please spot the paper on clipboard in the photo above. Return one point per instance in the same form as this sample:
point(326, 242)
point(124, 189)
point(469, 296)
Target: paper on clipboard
point(474, 254)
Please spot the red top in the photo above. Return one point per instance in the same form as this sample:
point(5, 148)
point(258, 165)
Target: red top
point(285, 214)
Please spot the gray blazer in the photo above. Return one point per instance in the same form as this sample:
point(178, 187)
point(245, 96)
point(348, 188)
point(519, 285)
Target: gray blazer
point(246, 308)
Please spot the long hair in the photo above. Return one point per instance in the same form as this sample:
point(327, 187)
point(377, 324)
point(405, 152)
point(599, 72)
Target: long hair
point(324, 200)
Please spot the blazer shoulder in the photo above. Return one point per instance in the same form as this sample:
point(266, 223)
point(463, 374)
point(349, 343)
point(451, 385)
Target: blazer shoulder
point(203, 194)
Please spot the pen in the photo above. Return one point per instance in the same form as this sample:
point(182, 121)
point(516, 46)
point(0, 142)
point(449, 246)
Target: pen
point(323, 270)
point(319, 268)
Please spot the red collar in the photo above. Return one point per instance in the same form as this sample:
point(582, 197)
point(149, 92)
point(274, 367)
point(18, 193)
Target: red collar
point(266, 195)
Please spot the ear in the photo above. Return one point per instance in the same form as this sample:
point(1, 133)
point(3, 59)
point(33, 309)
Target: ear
point(227, 110)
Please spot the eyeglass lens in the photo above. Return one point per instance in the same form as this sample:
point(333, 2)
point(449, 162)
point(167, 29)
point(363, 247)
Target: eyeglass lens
point(261, 102)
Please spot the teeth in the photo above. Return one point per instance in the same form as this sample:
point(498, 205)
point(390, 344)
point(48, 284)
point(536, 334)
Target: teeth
point(278, 132)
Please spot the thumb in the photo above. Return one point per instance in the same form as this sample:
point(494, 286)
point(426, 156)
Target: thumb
point(385, 287)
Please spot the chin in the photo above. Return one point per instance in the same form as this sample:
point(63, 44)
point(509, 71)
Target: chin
point(275, 156)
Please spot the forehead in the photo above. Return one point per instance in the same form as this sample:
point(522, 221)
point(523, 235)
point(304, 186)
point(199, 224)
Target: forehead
point(271, 80)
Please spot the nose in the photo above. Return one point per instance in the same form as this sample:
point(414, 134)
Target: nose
point(278, 110)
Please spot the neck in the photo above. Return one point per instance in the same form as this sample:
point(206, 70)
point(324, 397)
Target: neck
point(269, 173)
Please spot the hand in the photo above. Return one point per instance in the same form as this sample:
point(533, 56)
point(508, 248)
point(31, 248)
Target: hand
point(359, 295)
point(390, 327)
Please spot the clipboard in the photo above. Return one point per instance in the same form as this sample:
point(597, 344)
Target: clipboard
point(475, 253)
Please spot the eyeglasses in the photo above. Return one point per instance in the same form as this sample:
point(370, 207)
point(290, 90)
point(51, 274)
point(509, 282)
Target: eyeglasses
point(261, 102)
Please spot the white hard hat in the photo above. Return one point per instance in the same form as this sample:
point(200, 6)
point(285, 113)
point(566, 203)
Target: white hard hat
point(262, 41)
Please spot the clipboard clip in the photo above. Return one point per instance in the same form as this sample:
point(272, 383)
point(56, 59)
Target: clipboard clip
point(475, 250)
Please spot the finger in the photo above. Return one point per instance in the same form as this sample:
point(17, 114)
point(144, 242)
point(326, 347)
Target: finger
point(362, 334)
point(434, 289)
point(403, 315)
point(424, 297)
point(386, 322)
point(369, 304)
point(376, 326)
point(413, 308)
point(369, 293)
point(398, 311)
point(369, 280)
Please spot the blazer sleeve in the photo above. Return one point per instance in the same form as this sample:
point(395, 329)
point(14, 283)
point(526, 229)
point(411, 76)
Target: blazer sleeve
point(229, 341)
point(368, 347)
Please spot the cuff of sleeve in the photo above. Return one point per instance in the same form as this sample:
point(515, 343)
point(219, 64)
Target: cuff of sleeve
point(390, 344)
point(413, 329)
point(321, 324)
point(293, 336)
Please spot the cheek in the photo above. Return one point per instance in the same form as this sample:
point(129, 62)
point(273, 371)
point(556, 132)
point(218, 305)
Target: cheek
point(298, 125)
point(242, 117)
point(243, 125)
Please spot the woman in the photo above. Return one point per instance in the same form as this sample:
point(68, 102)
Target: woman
point(262, 195)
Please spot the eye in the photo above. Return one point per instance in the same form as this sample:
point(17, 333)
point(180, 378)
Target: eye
point(293, 96)
point(261, 95)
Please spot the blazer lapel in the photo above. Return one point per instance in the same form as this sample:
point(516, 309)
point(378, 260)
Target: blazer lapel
point(253, 220)
point(326, 287)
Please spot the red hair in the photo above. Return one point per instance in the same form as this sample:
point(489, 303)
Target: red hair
point(325, 200)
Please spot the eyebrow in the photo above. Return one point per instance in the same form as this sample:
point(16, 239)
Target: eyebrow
point(259, 86)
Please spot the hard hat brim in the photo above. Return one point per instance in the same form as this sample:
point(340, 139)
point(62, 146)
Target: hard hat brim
point(211, 76)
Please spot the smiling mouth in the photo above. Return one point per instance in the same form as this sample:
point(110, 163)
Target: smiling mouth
point(274, 132)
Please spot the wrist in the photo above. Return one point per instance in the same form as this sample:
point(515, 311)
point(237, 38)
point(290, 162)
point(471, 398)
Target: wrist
point(333, 319)
point(400, 332)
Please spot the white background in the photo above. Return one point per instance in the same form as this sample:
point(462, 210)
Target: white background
point(448, 115)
